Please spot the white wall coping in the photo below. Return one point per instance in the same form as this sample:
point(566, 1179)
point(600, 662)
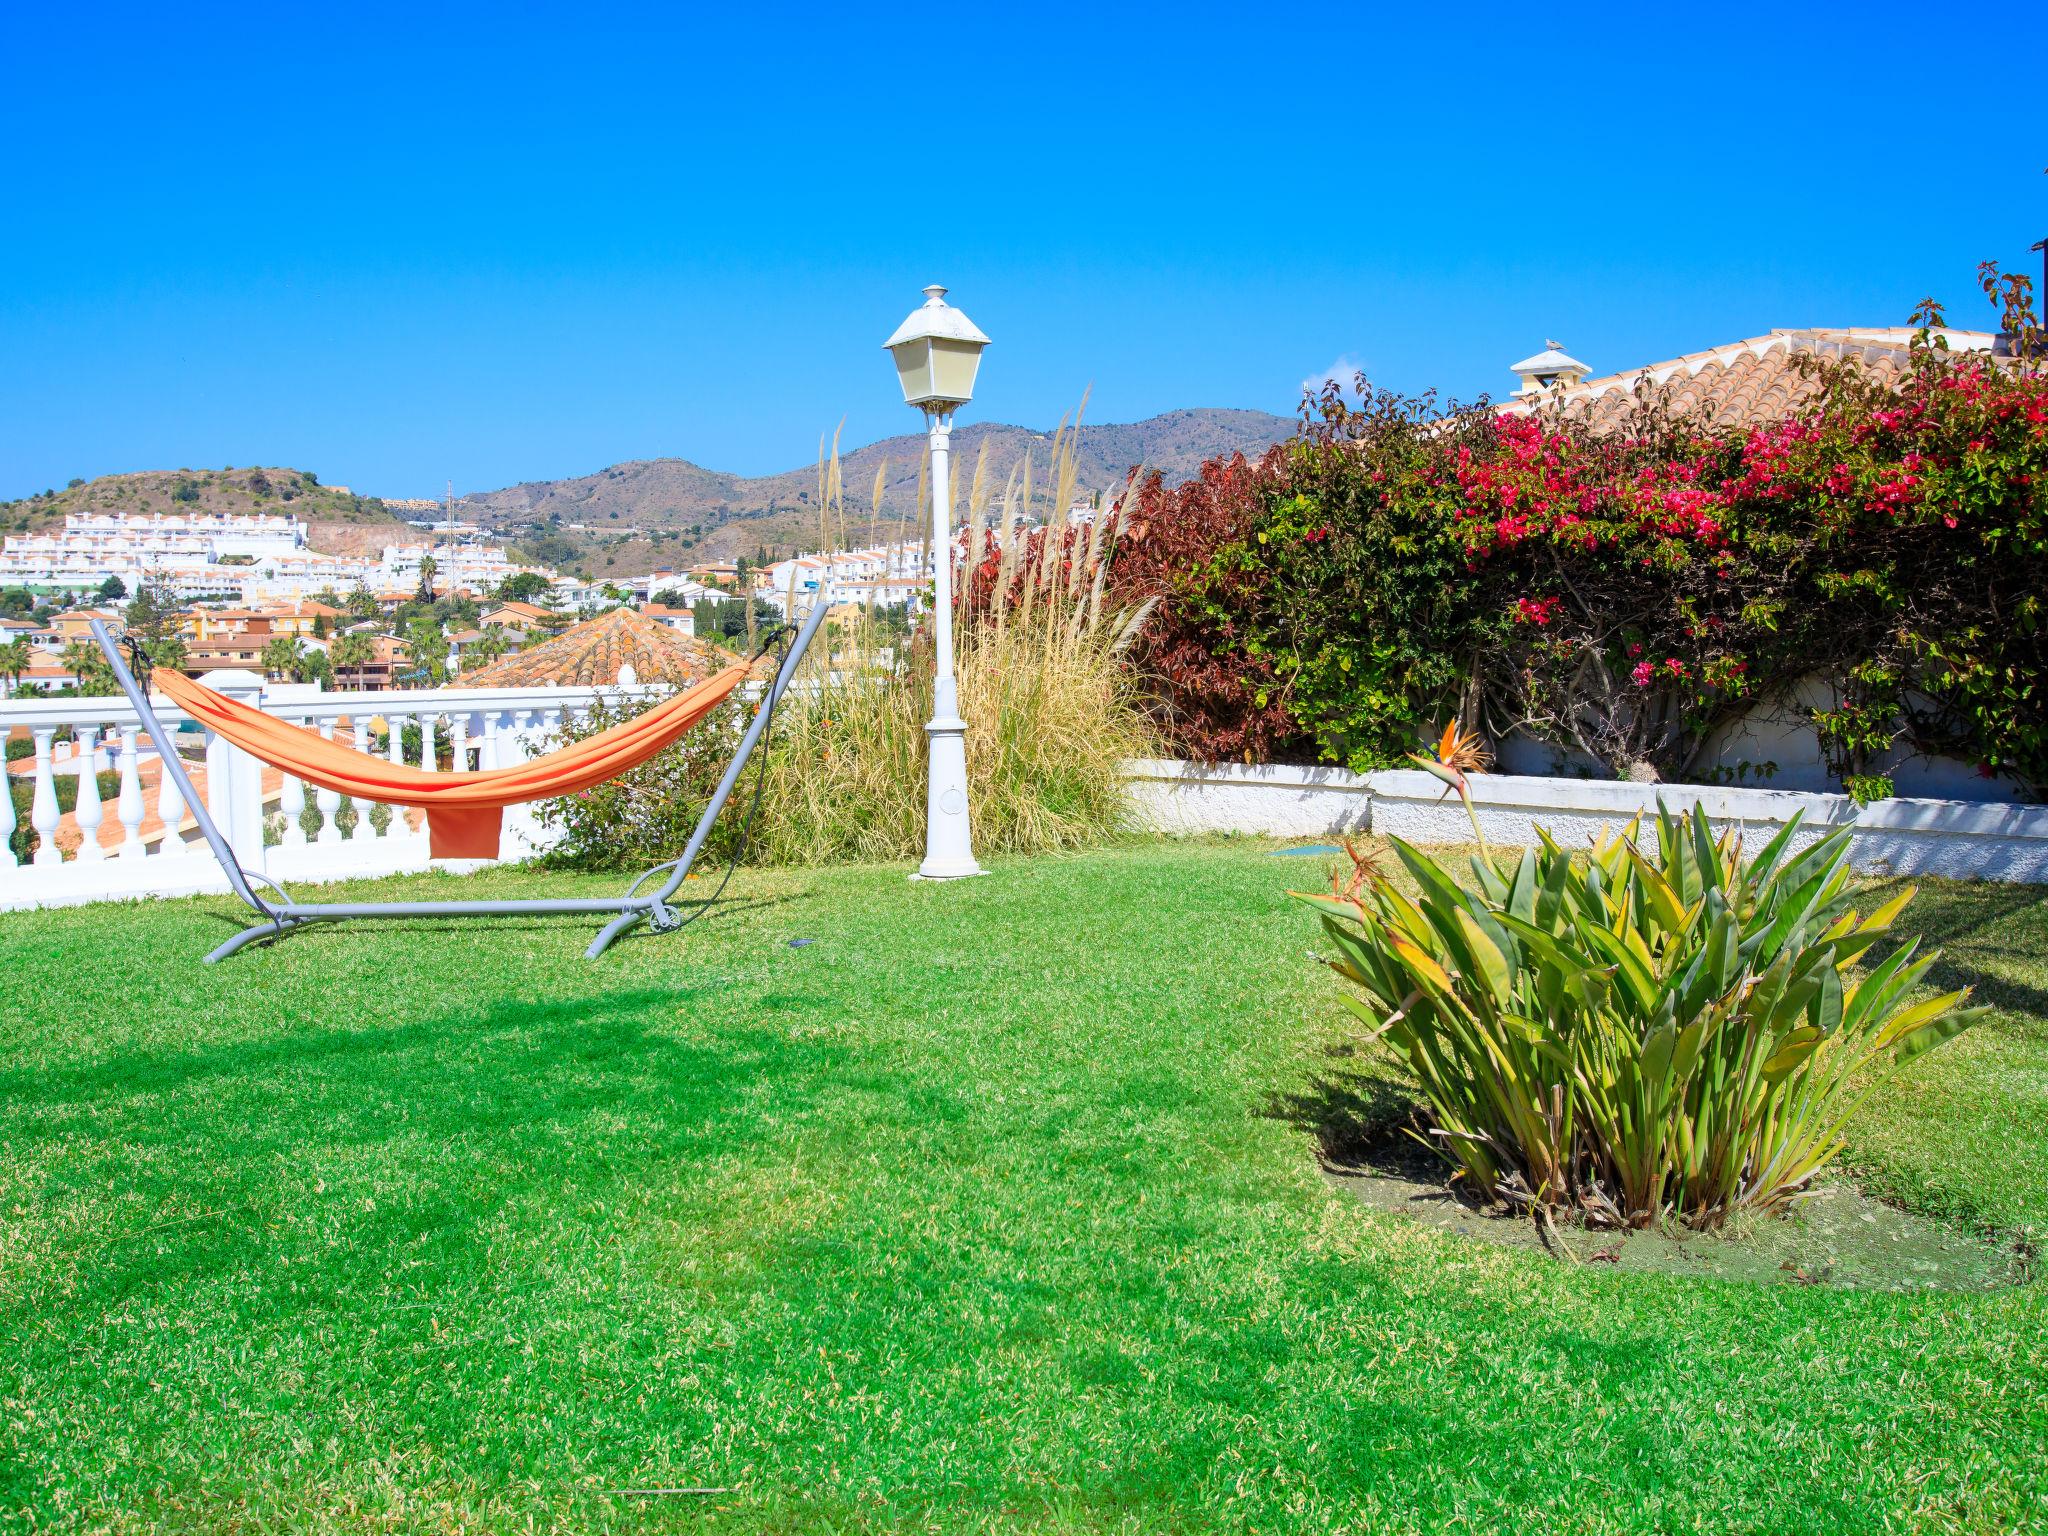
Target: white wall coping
point(1497, 791)
point(1276, 775)
point(1961, 839)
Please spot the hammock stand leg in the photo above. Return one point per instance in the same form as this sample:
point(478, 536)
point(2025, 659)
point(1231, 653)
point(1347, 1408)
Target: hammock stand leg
point(275, 929)
point(655, 908)
point(282, 915)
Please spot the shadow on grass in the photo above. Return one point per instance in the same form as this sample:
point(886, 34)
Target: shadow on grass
point(694, 909)
point(409, 1142)
point(1352, 1116)
point(1964, 920)
point(614, 1026)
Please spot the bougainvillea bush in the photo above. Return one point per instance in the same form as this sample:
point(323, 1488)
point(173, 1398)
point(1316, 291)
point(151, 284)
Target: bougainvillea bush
point(1617, 595)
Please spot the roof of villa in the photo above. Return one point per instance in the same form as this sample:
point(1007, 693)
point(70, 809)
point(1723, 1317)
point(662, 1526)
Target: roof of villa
point(1552, 359)
point(589, 655)
point(1740, 383)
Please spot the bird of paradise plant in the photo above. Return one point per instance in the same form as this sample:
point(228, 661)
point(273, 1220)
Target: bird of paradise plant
point(1656, 1027)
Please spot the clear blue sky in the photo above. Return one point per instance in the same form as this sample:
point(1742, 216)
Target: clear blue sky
point(399, 245)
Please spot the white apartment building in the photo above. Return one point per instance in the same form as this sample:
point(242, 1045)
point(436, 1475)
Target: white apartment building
point(215, 554)
point(480, 567)
point(187, 547)
point(883, 573)
point(213, 534)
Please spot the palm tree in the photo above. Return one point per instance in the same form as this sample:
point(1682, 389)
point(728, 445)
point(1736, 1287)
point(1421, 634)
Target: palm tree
point(281, 656)
point(351, 653)
point(83, 660)
point(14, 660)
point(487, 647)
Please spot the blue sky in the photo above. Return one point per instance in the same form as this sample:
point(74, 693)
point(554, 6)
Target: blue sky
point(402, 245)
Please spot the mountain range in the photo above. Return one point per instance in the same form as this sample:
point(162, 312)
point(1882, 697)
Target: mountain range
point(647, 513)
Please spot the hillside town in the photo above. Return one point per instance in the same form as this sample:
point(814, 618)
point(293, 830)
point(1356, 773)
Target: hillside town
point(210, 592)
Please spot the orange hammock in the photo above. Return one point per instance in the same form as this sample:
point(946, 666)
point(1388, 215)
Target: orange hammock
point(463, 809)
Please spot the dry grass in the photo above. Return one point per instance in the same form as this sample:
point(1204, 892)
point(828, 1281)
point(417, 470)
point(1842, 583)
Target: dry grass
point(1052, 713)
point(1051, 716)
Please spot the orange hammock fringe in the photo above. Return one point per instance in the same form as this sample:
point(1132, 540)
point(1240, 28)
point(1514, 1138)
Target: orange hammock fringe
point(464, 810)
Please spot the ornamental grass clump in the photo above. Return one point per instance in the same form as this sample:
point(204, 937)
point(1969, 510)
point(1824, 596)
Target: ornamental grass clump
point(1655, 1029)
point(1053, 712)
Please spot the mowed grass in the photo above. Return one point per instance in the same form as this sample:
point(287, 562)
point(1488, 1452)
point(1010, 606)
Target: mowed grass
point(993, 1208)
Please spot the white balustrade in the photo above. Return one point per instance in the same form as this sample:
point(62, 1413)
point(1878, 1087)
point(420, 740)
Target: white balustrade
point(366, 831)
point(483, 727)
point(129, 807)
point(291, 805)
point(398, 829)
point(328, 800)
point(7, 825)
point(170, 810)
point(87, 810)
point(42, 814)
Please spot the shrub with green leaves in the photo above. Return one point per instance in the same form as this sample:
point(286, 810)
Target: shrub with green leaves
point(1650, 1030)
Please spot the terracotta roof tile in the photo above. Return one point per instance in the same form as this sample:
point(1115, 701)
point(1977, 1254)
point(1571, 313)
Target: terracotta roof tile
point(1740, 384)
point(590, 654)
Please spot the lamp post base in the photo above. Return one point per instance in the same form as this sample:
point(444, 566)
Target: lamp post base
point(948, 839)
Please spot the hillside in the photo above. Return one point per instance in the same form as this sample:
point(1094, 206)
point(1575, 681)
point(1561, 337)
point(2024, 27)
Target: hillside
point(645, 513)
point(635, 516)
point(340, 522)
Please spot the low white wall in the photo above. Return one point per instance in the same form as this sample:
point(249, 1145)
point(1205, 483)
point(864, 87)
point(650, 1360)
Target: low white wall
point(1272, 801)
point(1953, 838)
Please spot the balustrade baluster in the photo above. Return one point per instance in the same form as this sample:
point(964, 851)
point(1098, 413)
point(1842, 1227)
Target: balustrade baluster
point(398, 827)
point(7, 821)
point(129, 807)
point(359, 719)
point(291, 804)
point(42, 812)
point(170, 810)
point(328, 800)
point(88, 812)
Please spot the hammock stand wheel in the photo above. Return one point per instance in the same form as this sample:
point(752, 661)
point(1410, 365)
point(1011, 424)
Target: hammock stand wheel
point(279, 914)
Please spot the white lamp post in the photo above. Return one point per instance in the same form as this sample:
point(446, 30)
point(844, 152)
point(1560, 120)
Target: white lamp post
point(937, 351)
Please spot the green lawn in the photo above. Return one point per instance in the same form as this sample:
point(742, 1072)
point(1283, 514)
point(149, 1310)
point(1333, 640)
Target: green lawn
point(992, 1208)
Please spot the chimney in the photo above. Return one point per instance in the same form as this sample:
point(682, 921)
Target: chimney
point(1552, 368)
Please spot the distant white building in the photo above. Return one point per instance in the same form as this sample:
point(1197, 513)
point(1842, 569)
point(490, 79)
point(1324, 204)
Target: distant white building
point(218, 554)
point(884, 574)
point(189, 549)
point(480, 567)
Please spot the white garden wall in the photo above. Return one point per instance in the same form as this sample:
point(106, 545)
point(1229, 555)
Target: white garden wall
point(1954, 838)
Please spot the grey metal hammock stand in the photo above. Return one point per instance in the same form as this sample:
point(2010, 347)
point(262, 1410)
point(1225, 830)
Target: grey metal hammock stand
point(280, 914)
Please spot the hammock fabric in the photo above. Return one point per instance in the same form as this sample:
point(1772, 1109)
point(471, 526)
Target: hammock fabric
point(463, 809)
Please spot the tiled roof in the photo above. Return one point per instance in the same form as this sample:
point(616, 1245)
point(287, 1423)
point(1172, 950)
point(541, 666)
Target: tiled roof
point(1739, 384)
point(590, 654)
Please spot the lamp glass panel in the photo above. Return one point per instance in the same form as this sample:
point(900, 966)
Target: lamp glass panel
point(914, 368)
point(953, 367)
